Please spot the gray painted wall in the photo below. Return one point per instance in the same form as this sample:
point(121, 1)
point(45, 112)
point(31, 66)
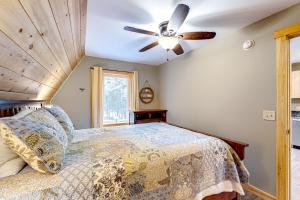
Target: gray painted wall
point(222, 89)
point(78, 104)
point(218, 88)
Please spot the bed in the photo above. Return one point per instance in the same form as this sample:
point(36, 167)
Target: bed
point(147, 161)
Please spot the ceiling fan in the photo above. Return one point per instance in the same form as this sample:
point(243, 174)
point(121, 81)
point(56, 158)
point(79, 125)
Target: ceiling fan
point(168, 37)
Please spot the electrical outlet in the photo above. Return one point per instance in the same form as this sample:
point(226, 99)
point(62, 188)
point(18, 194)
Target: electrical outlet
point(269, 115)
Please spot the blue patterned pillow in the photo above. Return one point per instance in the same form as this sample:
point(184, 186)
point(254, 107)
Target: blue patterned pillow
point(35, 142)
point(64, 120)
point(42, 115)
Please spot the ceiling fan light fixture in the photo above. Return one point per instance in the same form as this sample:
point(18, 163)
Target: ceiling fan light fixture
point(168, 42)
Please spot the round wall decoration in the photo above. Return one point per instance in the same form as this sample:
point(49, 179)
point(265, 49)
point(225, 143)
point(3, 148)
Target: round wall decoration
point(146, 95)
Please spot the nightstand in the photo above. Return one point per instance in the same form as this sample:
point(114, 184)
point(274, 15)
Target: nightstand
point(147, 116)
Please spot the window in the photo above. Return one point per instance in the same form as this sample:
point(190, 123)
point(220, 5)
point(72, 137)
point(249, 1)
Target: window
point(114, 93)
point(115, 98)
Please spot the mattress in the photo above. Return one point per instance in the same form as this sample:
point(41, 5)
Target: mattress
point(146, 161)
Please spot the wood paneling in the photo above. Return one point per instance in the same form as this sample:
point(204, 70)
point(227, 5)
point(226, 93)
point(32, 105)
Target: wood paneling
point(62, 17)
point(74, 10)
point(17, 60)
point(41, 41)
point(40, 13)
point(13, 82)
point(83, 10)
point(16, 24)
point(16, 96)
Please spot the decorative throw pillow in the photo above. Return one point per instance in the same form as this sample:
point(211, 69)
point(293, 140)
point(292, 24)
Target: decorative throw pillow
point(35, 142)
point(63, 118)
point(42, 115)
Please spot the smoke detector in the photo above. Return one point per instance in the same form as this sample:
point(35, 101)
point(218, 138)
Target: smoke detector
point(248, 44)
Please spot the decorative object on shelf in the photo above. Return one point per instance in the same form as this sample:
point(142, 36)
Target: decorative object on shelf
point(146, 93)
point(248, 44)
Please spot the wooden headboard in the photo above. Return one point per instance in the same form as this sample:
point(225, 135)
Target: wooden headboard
point(10, 108)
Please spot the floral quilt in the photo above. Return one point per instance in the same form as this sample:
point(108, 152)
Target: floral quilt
point(147, 161)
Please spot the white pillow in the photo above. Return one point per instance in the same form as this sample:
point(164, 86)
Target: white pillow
point(10, 162)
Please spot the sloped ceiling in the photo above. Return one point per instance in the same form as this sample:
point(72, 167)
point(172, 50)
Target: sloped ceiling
point(41, 41)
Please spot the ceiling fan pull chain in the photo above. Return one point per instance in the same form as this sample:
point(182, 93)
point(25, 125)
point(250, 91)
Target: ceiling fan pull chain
point(168, 54)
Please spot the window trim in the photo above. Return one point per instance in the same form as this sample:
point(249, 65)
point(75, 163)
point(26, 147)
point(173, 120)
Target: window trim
point(115, 124)
point(116, 73)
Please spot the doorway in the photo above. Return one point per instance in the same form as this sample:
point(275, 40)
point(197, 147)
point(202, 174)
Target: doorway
point(285, 92)
point(295, 117)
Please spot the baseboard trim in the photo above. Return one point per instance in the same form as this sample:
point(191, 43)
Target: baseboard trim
point(258, 192)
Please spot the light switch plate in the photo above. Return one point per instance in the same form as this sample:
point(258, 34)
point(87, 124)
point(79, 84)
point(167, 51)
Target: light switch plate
point(269, 115)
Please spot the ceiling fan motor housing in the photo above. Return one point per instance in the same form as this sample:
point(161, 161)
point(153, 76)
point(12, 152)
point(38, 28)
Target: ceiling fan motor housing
point(163, 27)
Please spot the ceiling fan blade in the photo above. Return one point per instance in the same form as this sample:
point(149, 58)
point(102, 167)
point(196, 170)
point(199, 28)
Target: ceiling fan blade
point(137, 30)
point(178, 17)
point(178, 49)
point(150, 46)
point(198, 35)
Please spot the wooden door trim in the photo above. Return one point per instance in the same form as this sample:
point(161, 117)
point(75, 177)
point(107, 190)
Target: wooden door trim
point(283, 126)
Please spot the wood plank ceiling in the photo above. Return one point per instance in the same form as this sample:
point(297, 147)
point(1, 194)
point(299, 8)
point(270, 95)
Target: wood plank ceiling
point(41, 42)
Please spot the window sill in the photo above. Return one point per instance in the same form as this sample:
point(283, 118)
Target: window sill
point(115, 124)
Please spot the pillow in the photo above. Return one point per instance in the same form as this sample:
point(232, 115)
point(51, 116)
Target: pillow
point(64, 120)
point(35, 142)
point(42, 115)
point(10, 162)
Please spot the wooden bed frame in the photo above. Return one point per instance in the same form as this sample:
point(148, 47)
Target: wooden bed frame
point(10, 108)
